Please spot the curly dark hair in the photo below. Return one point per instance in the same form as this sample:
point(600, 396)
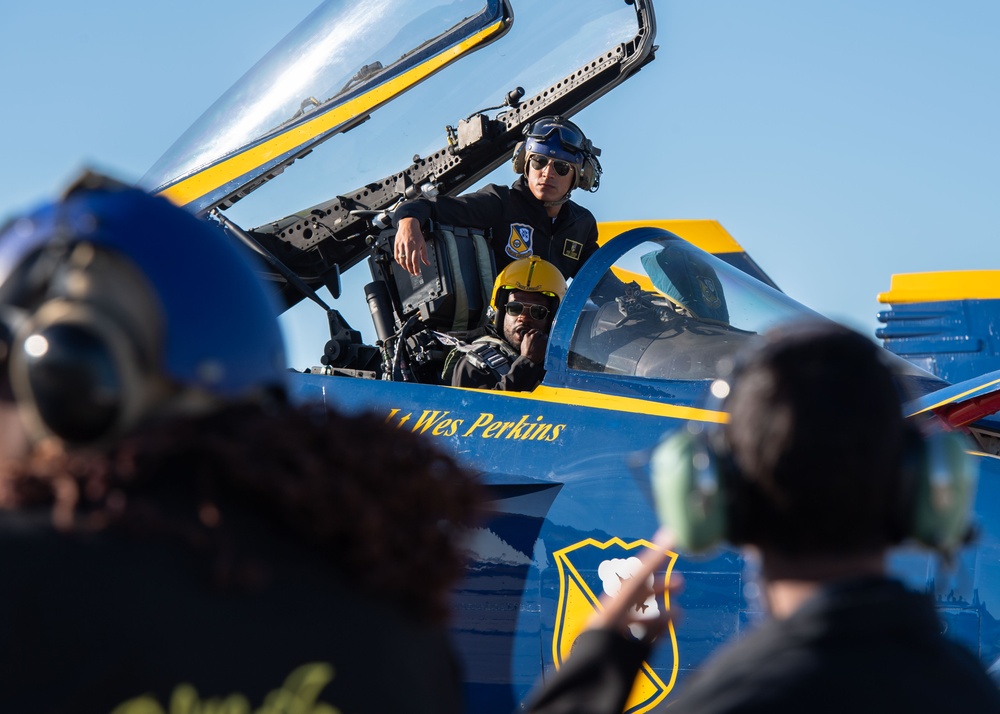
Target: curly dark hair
point(384, 506)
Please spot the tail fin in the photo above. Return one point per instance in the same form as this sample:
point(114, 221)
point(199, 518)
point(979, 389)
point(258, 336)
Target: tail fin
point(947, 323)
point(707, 234)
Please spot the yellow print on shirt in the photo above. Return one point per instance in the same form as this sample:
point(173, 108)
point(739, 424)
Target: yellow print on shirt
point(298, 695)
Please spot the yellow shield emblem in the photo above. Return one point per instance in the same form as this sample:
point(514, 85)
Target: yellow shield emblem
point(519, 241)
point(589, 569)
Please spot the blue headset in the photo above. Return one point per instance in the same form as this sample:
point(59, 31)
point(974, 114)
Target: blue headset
point(111, 298)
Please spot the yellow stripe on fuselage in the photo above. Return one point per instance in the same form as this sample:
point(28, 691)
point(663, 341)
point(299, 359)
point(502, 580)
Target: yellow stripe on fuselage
point(212, 177)
point(957, 397)
point(708, 235)
point(580, 398)
point(942, 286)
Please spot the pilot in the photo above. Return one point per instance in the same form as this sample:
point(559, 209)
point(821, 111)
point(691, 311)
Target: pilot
point(175, 535)
point(526, 295)
point(818, 475)
point(535, 216)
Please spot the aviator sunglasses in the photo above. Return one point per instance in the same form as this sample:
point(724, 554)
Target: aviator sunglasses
point(539, 162)
point(537, 312)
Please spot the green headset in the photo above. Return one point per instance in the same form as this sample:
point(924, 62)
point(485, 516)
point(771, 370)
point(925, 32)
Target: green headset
point(696, 483)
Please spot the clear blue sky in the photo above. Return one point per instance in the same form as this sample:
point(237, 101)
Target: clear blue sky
point(839, 142)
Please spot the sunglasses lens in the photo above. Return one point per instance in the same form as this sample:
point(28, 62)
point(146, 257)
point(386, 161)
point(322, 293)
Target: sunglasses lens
point(539, 162)
point(537, 312)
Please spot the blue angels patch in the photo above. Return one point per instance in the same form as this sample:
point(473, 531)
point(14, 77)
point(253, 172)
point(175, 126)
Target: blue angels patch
point(519, 242)
point(590, 569)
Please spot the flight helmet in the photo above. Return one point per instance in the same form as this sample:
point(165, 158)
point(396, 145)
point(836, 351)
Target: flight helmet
point(532, 275)
point(562, 140)
point(116, 306)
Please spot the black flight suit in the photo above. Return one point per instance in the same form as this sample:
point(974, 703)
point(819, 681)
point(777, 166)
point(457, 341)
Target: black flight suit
point(519, 224)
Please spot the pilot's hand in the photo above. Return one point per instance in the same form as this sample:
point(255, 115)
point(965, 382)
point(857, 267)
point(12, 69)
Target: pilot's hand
point(533, 344)
point(410, 248)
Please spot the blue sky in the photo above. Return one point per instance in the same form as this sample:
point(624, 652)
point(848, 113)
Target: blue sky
point(839, 142)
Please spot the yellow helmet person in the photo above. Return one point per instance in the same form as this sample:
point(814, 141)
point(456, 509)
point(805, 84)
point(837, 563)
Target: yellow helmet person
point(532, 275)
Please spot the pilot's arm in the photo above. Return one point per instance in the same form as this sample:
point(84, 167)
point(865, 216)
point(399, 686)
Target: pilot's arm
point(481, 209)
point(523, 376)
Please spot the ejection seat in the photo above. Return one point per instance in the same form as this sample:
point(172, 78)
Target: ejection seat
point(452, 294)
point(447, 303)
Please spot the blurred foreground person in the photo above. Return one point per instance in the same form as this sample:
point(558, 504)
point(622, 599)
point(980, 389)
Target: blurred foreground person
point(174, 535)
point(818, 475)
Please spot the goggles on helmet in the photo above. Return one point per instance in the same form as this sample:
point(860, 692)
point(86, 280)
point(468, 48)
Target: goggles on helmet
point(568, 134)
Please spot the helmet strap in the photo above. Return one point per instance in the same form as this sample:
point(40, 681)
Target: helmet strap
point(560, 202)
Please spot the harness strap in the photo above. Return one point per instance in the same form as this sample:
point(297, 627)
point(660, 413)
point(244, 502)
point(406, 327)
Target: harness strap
point(488, 354)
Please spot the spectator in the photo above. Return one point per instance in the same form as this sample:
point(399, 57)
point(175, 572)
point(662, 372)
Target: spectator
point(175, 535)
point(818, 472)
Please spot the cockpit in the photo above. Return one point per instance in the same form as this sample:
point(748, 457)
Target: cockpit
point(392, 78)
point(667, 310)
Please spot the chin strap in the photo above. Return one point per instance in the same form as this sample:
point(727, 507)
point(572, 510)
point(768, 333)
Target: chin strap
point(560, 202)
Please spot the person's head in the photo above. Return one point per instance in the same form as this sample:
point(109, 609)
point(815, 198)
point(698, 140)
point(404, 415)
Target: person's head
point(816, 440)
point(523, 291)
point(117, 307)
point(556, 158)
point(526, 311)
point(816, 464)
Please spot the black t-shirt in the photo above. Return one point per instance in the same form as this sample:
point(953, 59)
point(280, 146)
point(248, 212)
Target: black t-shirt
point(108, 623)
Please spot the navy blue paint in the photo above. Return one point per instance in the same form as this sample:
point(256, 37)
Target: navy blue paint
point(955, 340)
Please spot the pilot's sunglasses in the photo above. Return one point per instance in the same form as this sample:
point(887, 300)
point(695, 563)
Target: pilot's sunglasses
point(539, 162)
point(569, 137)
point(537, 312)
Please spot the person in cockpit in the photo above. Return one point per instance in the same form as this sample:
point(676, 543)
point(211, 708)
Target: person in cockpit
point(535, 216)
point(525, 298)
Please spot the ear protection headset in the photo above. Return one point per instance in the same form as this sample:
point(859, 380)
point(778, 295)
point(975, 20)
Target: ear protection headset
point(697, 485)
point(83, 331)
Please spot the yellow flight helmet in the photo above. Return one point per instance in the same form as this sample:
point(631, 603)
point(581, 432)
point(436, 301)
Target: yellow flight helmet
point(531, 275)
